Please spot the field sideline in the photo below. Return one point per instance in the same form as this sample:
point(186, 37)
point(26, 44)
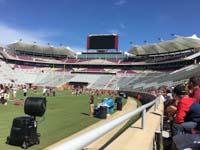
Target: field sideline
point(64, 116)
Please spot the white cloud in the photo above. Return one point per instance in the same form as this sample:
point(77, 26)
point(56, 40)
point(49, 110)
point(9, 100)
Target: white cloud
point(120, 2)
point(9, 35)
point(78, 49)
point(122, 25)
point(115, 31)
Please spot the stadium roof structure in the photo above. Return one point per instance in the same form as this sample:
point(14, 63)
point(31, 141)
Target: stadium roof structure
point(50, 50)
point(178, 44)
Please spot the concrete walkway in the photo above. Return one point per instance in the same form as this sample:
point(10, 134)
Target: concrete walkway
point(130, 105)
point(135, 138)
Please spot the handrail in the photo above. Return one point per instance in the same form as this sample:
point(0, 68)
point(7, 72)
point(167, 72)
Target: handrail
point(85, 139)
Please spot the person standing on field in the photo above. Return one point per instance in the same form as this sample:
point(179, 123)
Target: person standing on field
point(91, 105)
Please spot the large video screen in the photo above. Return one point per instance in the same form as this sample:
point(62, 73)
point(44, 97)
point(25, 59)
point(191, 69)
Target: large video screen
point(102, 42)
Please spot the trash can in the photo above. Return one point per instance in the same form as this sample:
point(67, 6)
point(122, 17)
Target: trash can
point(103, 112)
point(118, 100)
point(119, 105)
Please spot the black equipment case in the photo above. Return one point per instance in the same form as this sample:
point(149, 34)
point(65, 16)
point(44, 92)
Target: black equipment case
point(23, 132)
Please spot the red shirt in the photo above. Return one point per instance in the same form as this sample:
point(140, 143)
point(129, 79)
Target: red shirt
point(182, 108)
point(138, 96)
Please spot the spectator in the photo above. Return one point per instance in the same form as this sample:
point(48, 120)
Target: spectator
point(169, 94)
point(188, 111)
point(193, 85)
point(169, 100)
point(138, 96)
point(170, 110)
point(170, 105)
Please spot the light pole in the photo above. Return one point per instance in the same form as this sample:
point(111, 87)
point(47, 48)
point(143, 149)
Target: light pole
point(160, 39)
point(175, 35)
point(131, 43)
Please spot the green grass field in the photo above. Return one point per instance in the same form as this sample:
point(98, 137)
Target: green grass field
point(64, 116)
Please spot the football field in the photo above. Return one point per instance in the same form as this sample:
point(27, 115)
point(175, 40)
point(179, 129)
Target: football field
point(65, 115)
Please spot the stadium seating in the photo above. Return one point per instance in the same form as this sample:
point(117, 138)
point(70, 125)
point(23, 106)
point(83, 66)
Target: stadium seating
point(25, 57)
point(183, 49)
point(101, 82)
point(151, 66)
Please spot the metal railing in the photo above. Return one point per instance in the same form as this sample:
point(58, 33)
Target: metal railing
point(87, 138)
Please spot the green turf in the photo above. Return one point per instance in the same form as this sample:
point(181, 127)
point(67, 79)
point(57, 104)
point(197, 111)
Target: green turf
point(64, 116)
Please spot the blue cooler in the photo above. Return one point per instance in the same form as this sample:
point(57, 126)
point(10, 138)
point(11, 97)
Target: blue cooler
point(110, 103)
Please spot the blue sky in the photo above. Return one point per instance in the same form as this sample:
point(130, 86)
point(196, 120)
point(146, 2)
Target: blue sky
point(70, 21)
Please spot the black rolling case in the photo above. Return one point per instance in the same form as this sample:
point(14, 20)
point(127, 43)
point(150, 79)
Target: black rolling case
point(23, 132)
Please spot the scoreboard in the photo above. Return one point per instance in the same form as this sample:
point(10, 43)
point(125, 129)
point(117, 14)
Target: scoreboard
point(102, 41)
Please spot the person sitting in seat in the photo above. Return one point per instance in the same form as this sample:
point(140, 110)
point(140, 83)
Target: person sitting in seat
point(169, 100)
point(194, 86)
point(187, 115)
point(170, 110)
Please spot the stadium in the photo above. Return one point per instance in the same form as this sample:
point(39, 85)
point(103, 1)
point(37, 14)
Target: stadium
point(145, 70)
